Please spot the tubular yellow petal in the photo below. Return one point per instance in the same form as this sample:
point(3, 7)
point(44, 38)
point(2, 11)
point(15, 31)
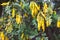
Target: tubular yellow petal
point(32, 5)
point(58, 23)
point(13, 12)
point(33, 13)
point(39, 26)
point(40, 21)
point(22, 35)
point(43, 15)
point(45, 8)
point(18, 19)
point(38, 17)
point(43, 26)
point(6, 3)
point(34, 8)
point(2, 35)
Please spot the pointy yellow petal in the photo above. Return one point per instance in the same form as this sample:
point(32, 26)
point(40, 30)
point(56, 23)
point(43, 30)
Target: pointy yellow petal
point(13, 12)
point(6, 3)
point(45, 8)
point(2, 35)
point(22, 35)
point(43, 26)
point(34, 8)
point(58, 23)
point(18, 19)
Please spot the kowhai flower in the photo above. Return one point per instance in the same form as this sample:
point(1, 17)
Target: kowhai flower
point(13, 12)
point(58, 23)
point(34, 8)
point(5, 3)
point(2, 35)
point(18, 19)
point(40, 21)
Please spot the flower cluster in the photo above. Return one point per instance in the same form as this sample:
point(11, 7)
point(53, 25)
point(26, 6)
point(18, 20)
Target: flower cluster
point(25, 20)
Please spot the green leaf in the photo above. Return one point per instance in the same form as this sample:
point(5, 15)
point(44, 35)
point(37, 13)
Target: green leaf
point(38, 38)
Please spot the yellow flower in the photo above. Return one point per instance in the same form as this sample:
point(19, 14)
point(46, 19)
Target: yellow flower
point(2, 35)
point(58, 23)
point(33, 5)
point(40, 21)
point(6, 3)
point(43, 15)
point(43, 26)
point(45, 8)
point(39, 26)
point(13, 12)
point(18, 19)
point(34, 8)
point(22, 36)
point(34, 13)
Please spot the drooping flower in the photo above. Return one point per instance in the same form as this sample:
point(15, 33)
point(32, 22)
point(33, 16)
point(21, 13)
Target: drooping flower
point(13, 12)
point(2, 35)
point(5, 3)
point(58, 23)
point(18, 19)
point(34, 8)
point(40, 21)
point(22, 36)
